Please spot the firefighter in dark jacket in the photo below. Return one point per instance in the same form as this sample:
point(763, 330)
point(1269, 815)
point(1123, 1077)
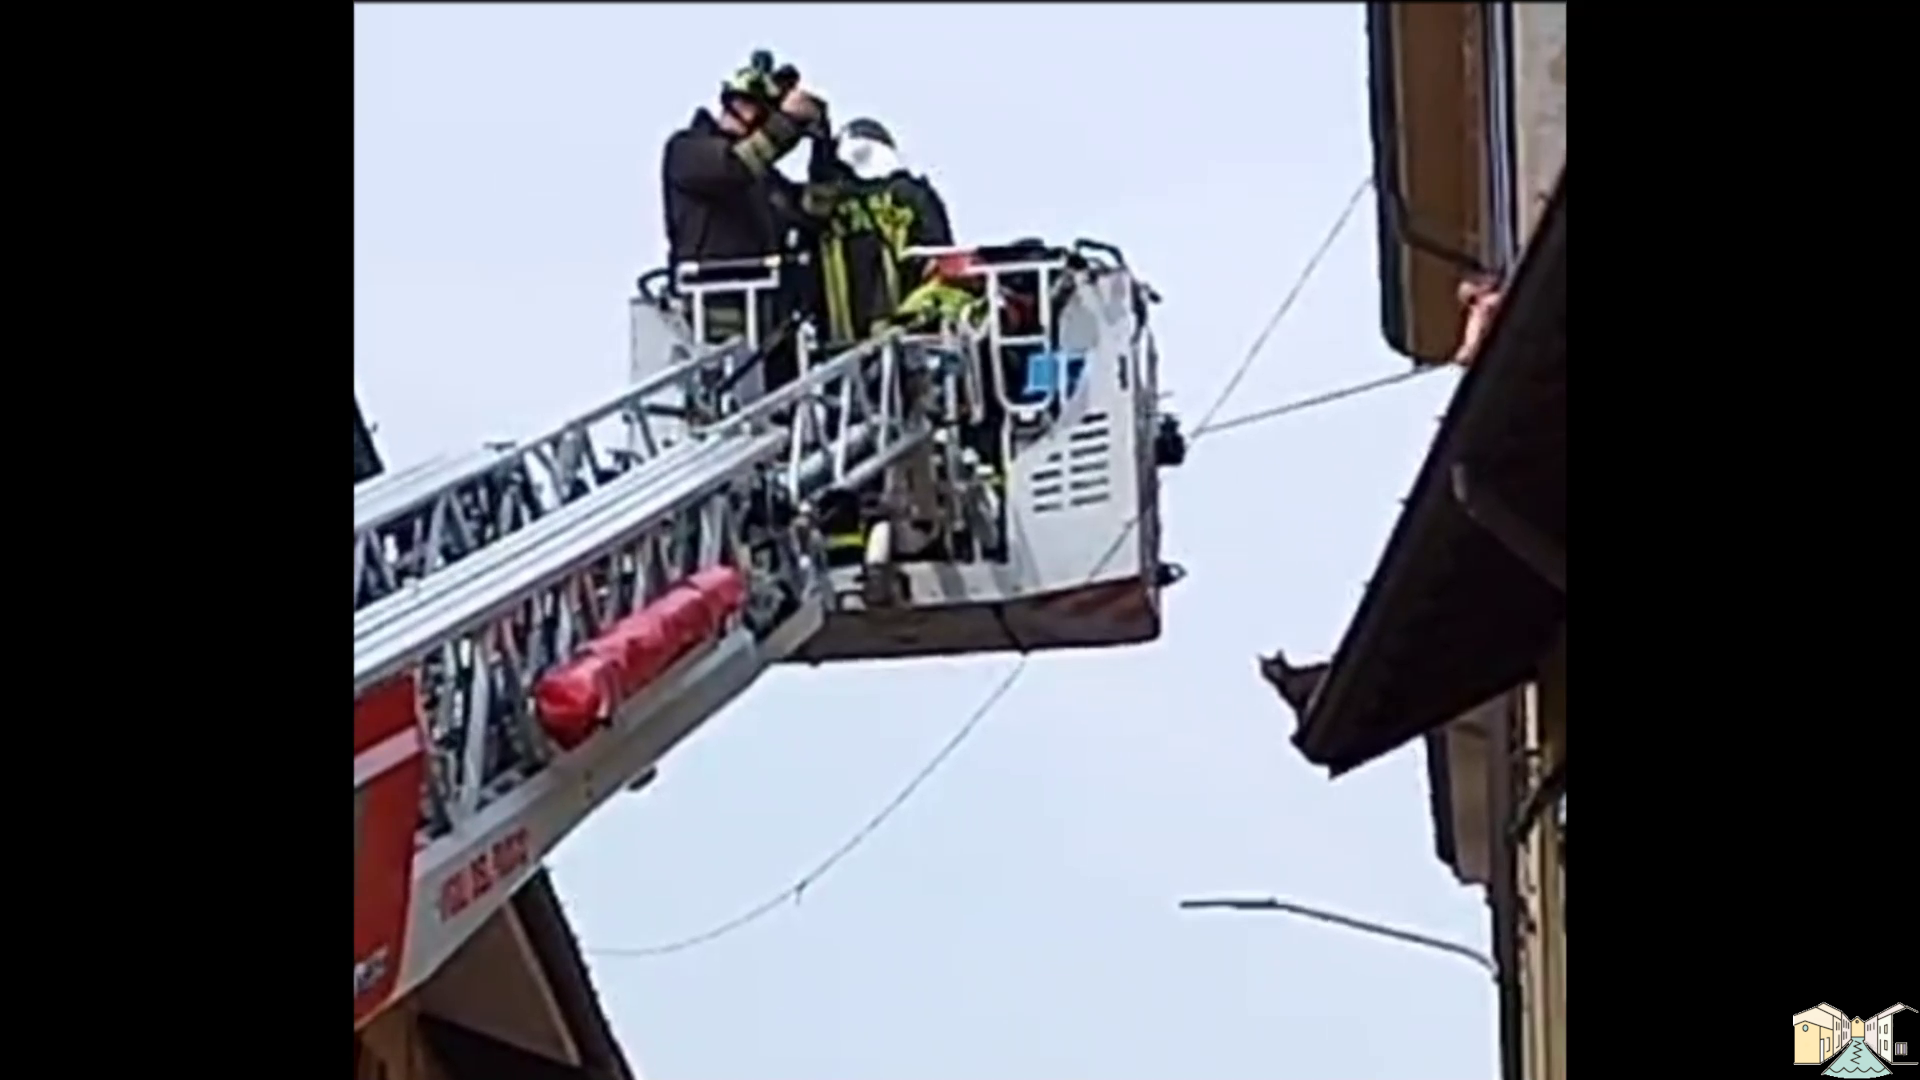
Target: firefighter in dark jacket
point(921, 219)
point(722, 196)
point(871, 211)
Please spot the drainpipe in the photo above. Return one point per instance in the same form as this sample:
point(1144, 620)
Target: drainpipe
point(1504, 893)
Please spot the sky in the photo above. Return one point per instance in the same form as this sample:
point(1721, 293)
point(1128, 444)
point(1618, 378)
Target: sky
point(1017, 919)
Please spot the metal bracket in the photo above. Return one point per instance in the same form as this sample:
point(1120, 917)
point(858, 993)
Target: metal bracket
point(1528, 544)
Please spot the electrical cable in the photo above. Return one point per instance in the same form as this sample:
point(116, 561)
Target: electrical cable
point(1286, 306)
point(1262, 415)
point(795, 891)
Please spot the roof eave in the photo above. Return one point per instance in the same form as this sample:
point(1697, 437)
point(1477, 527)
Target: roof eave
point(1327, 734)
point(1440, 797)
point(545, 922)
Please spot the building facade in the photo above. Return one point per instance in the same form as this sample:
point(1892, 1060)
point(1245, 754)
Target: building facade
point(1461, 638)
point(1818, 1034)
point(1814, 1031)
point(1901, 1025)
point(1891, 1034)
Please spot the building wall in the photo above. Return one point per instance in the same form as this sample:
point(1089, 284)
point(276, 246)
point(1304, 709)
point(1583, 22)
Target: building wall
point(391, 1048)
point(1905, 1031)
point(1887, 1028)
point(1857, 1028)
point(1540, 104)
point(1468, 745)
point(1806, 1043)
point(1543, 942)
point(1837, 1025)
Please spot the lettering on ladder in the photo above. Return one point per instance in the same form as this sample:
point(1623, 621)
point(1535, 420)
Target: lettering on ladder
point(475, 880)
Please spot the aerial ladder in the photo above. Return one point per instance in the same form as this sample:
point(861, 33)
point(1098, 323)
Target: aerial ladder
point(537, 624)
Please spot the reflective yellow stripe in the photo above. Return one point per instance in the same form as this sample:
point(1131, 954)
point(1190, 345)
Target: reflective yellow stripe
point(757, 152)
point(833, 270)
point(851, 213)
point(892, 300)
point(843, 541)
point(895, 223)
point(892, 273)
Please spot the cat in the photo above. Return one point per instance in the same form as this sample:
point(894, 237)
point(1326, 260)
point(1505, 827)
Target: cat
point(1295, 684)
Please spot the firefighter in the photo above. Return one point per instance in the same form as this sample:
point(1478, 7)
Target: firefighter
point(722, 196)
point(870, 210)
point(918, 216)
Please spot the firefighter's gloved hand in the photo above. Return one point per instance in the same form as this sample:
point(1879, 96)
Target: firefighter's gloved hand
point(802, 106)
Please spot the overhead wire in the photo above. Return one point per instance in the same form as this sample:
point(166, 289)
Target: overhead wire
point(793, 893)
point(1262, 415)
point(1286, 307)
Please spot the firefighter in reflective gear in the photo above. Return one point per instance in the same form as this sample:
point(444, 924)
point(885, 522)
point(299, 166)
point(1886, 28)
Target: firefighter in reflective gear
point(918, 216)
point(871, 209)
point(722, 196)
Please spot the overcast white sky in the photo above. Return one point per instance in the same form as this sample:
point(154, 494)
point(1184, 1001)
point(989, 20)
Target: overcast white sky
point(1016, 921)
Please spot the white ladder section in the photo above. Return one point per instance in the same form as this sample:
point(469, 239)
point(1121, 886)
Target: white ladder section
point(476, 575)
point(414, 521)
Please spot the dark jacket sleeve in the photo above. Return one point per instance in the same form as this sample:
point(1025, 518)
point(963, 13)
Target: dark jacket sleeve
point(793, 207)
point(712, 164)
point(930, 225)
point(824, 165)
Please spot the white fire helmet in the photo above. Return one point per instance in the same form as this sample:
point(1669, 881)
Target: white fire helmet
point(867, 148)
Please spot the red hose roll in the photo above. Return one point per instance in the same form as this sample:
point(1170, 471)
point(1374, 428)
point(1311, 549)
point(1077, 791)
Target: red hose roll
point(578, 697)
